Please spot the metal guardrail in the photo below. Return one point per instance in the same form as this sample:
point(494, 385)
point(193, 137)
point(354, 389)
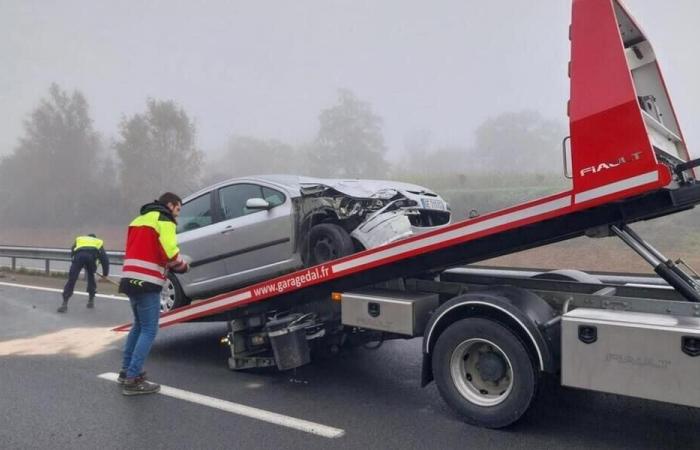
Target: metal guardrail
point(14, 252)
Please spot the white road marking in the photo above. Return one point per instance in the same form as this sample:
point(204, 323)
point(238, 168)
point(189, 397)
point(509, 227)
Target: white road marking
point(247, 411)
point(60, 291)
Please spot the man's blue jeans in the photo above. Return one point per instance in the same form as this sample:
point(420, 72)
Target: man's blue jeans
point(146, 309)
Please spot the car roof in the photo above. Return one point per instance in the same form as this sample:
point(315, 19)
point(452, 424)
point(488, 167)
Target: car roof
point(293, 183)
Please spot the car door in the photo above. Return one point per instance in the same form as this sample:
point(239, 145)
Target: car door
point(199, 237)
point(257, 243)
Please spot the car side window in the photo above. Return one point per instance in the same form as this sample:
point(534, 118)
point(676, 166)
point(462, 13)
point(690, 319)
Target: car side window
point(273, 197)
point(233, 199)
point(196, 213)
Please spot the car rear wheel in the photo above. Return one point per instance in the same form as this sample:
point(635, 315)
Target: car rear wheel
point(171, 296)
point(328, 241)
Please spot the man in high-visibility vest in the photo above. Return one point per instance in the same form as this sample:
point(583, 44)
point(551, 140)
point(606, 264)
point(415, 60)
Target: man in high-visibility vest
point(151, 251)
point(85, 253)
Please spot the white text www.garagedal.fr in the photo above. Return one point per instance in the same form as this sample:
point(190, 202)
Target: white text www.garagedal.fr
point(295, 281)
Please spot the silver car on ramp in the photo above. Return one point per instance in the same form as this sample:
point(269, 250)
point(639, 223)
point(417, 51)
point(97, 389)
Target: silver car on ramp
point(245, 230)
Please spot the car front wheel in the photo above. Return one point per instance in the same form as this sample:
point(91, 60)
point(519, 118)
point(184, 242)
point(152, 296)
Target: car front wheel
point(328, 241)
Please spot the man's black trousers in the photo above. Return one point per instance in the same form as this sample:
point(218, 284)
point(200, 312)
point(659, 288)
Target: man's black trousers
point(82, 259)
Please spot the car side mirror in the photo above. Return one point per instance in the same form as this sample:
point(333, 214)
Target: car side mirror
point(257, 204)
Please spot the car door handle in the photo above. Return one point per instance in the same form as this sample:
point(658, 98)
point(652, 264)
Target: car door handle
point(228, 229)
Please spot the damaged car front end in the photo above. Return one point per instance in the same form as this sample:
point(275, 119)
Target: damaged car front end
point(373, 212)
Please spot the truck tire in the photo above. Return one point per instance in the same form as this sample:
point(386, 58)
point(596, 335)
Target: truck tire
point(485, 372)
point(328, 241)
point(171, 296)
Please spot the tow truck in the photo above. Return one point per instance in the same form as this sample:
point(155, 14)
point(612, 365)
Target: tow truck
point(489, 338)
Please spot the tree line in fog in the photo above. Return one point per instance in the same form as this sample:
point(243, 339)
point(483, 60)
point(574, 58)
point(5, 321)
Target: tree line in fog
point(64, 172)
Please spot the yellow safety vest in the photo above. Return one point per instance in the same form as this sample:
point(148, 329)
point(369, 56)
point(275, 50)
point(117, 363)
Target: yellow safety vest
point(88, 242)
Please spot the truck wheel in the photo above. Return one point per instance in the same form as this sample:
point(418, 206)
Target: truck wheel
point(171, 296)
point(328, 241)
point(484, 371)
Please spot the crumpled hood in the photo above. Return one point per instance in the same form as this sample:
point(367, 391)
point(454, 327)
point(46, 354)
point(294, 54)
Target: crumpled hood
point(360, 188)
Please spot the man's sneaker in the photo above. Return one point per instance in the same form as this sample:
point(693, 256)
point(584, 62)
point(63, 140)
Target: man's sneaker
point(64, 307)
point(91, 302)
point(139, 386)
point(121, 379)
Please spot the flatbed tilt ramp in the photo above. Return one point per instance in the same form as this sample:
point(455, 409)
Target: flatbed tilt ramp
point(628, 160)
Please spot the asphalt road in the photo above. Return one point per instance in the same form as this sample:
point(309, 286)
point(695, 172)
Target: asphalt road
point(51, 395)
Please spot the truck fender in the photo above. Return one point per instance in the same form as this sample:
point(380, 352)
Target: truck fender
point(521, 310)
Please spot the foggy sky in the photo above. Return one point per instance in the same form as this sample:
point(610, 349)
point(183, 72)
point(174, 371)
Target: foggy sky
point(266, 68)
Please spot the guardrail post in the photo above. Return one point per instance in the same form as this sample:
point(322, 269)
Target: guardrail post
point(48, 271)
point(14, 264)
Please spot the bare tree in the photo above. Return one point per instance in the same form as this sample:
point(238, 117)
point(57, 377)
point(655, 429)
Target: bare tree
point(350, 140)
point(157, 152)
point(522, 142)
point(245, 155)
point(55, 168)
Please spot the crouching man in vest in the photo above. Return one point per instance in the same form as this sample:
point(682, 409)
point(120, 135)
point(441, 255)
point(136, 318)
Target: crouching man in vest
point(151, 250)
point(86, 252)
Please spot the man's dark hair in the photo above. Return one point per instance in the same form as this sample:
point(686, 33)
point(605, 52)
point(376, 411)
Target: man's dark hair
point(169, 197)
point(92, 235)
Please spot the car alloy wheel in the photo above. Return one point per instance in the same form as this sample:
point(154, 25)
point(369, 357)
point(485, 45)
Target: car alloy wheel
point(167, 296)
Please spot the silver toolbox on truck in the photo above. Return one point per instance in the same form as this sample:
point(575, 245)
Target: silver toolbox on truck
point(643, 355)
point(392, 311)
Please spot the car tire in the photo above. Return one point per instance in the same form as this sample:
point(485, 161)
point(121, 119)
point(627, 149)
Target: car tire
point(484, 372)
point(171, 296)
point(328, 241)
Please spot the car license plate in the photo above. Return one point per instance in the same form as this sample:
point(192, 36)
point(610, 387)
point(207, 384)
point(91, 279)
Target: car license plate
point(433, 203)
